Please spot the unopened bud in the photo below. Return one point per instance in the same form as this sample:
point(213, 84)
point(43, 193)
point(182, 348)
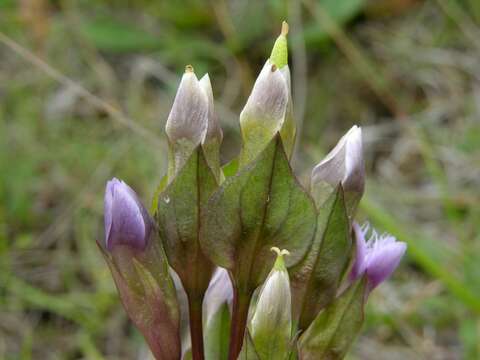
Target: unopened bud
point(127, 222)
point(343, 165)
point(187, 123)
point(272, 320)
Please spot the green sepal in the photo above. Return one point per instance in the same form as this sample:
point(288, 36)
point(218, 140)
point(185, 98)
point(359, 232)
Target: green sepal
point(160, 187)
point(333, 331)
point(178, 217)
point(230, 169)
point(148, 295)
point(279, 55)
point(316, 278)
point(260, 207)
point(216, 334)
point(248, 349)
point(178, 154)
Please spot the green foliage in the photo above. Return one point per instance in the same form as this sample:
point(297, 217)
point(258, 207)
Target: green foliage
point(180, 207)
point(262, 206)
point(316, 278)
point(217, 333)
point(332, 332)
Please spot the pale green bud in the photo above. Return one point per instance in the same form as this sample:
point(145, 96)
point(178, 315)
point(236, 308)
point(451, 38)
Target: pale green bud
point(271, 323)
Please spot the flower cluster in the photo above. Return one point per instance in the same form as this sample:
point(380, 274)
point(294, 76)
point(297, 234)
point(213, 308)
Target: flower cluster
point(239, 261)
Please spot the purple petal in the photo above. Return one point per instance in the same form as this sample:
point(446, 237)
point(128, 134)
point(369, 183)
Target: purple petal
point(382, 260)
point(126, 220)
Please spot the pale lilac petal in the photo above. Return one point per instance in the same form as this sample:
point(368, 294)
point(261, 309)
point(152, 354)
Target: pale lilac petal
point(107, 208)
point(344, 163)
point(189, 115)
point(214, 131)
point(219, 292)
point(382, 262)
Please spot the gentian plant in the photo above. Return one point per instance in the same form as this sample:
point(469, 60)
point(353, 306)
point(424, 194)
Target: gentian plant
point(240, 261)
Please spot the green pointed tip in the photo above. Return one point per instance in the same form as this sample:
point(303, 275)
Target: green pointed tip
point(279, 54)
point(279, 262)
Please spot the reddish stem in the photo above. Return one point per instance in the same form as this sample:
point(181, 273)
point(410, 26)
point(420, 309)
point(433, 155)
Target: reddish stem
point(241, 303)
point(196, 328)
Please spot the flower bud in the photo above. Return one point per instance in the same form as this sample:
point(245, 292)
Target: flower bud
point(127, 222)
point(271, 322)
point(345, 165)
point(377, 258)
point(263, 115)
point(269, 106)
point(187, 123)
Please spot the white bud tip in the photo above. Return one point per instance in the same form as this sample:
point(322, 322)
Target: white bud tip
point(280, 252)
point(284, 31)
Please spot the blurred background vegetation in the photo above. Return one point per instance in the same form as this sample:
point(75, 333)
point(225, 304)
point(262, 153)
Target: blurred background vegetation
point(85, 90)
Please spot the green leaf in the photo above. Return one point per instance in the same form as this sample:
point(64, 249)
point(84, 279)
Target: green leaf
point(335, 328)
point(217, 332)
point(161, 186)
point(148, 294)
point(178, 216)
point(230, 168)
point(316, 279)
point(262, 206)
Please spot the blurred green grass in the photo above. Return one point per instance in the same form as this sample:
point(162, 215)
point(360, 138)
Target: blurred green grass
point(405, 70)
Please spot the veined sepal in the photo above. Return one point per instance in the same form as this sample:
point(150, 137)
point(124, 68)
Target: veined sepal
point(316, 279)
point(179, 215)
point(335, 328)
point(148, 294)
point(260, 207)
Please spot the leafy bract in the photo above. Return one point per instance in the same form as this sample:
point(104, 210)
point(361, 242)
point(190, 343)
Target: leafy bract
point(148, 295)
point(262, 206)
point(178, 217)
point(316, 278)
point(334, 329)
point(248, 349)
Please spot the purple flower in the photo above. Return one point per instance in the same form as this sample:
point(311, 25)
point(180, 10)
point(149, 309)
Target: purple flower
point(127, 222)
point(378, 257)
